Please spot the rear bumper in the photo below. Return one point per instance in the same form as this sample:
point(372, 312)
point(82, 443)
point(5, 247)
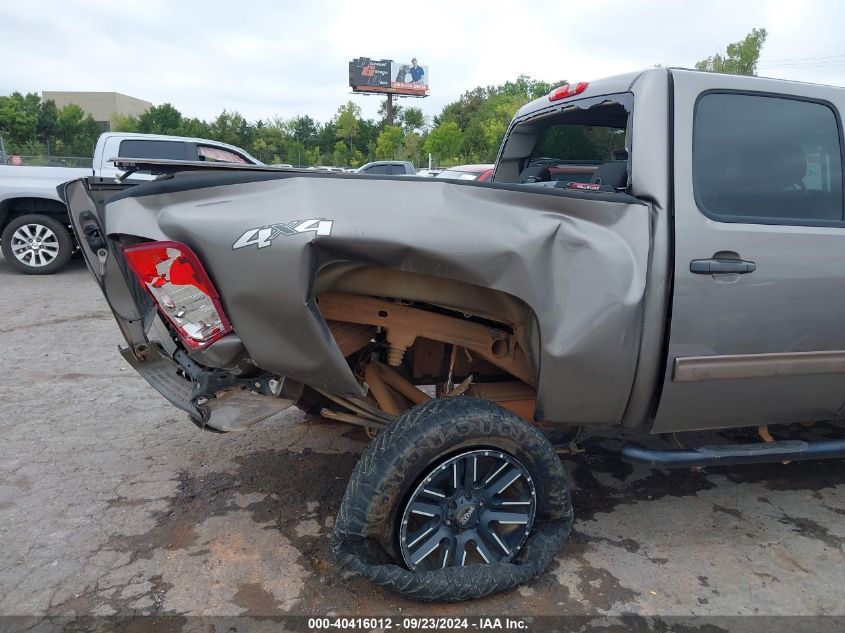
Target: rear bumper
point(232, 407)
point(163, 375)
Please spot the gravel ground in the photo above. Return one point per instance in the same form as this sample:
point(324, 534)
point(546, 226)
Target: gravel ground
point(113, 503)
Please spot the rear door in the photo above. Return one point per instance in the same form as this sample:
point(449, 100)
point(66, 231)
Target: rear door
point(758, 315)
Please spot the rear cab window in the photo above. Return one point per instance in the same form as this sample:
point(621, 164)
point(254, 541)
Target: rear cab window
point(574, 152)
point(767, 159)
point(144, 148)
point(579, 144)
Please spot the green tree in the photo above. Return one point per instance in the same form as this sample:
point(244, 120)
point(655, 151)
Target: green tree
point(19, 118)
point(348, 125)
point(77, 132)
point(368, 131)
point(47, 127)
point(304, 130)
point(484, 113)
point(232, 128)
point(740, 57)
point(412, 148)
point(311, 156)
point(271, 140)
point(444, 141)
point(474, 142)
point(194, 127)
point(124, 123)
point(389, 142)
point(463, 110)
point(163, 119)
point(398, 112)
point(413, 119)
point(326, 138)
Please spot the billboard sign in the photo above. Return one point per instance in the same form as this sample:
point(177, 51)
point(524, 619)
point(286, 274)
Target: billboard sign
point(388, 76)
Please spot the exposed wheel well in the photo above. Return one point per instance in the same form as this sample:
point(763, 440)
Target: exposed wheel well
point(14, 207)
point(409, 336)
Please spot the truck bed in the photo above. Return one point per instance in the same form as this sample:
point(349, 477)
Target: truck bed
point(273, 241)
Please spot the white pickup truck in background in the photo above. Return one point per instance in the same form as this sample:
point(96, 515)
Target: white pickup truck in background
point(34, 225)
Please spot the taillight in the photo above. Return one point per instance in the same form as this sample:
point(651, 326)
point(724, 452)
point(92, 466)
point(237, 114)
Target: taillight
point(567, 90)
point(172, 274)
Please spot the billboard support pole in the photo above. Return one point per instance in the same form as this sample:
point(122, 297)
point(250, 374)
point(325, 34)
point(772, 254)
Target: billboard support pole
point(390, 108)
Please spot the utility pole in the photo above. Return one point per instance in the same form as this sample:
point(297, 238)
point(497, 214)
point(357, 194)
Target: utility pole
point(3, 156)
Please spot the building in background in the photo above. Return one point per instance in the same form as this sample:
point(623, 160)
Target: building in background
point(102, 106)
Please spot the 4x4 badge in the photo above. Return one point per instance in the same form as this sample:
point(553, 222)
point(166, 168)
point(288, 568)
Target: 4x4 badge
point(264, 235)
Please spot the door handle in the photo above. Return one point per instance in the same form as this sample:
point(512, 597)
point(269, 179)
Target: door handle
point(721, 266)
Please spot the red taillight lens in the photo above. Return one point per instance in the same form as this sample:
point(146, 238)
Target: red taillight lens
point(174, 277)
point(567, 90)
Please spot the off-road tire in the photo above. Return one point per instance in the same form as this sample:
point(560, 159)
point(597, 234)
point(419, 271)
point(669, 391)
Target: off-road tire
point(63, 239)
point(365, 533)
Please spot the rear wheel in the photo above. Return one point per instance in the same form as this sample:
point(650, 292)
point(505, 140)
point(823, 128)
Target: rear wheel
point(475, 508)
point(457, 499)
point(36, 244)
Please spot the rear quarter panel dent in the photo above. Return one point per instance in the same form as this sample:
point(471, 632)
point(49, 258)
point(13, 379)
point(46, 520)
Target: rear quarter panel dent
point(579, 264)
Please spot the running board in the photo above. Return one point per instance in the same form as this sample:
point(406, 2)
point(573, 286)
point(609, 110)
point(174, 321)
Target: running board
point(729, 454)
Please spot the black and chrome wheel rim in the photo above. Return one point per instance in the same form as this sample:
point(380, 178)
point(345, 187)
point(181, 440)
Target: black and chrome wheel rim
point(475, 508)
point(35, 245)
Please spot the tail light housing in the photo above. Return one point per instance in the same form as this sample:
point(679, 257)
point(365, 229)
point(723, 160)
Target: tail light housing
point(568, 90)
point(171, 273)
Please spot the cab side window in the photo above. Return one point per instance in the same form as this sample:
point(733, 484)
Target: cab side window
point(377, 169)
point(767, 160)
point(219, 155)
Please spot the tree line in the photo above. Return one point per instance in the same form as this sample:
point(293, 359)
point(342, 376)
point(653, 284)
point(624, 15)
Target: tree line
point(30, 126)
point(468, 130)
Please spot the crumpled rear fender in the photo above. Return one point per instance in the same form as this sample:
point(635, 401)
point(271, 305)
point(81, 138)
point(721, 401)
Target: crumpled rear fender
point(578, 260)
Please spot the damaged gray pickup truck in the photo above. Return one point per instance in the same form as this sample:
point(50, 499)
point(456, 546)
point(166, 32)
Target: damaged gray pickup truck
point(661, 252)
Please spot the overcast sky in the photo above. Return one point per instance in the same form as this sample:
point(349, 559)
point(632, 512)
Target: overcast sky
point(283, 58)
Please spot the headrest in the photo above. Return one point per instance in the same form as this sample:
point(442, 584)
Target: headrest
point(613, 174)
point(537, 173)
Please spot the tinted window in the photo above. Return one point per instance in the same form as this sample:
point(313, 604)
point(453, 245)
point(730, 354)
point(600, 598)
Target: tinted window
point(766, 159)
point(396, 170)
point(376, 169)
point(171, 150)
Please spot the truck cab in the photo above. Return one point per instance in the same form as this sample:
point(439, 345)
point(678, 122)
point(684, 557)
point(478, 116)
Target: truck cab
point(744, 286)
point(159, 146)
